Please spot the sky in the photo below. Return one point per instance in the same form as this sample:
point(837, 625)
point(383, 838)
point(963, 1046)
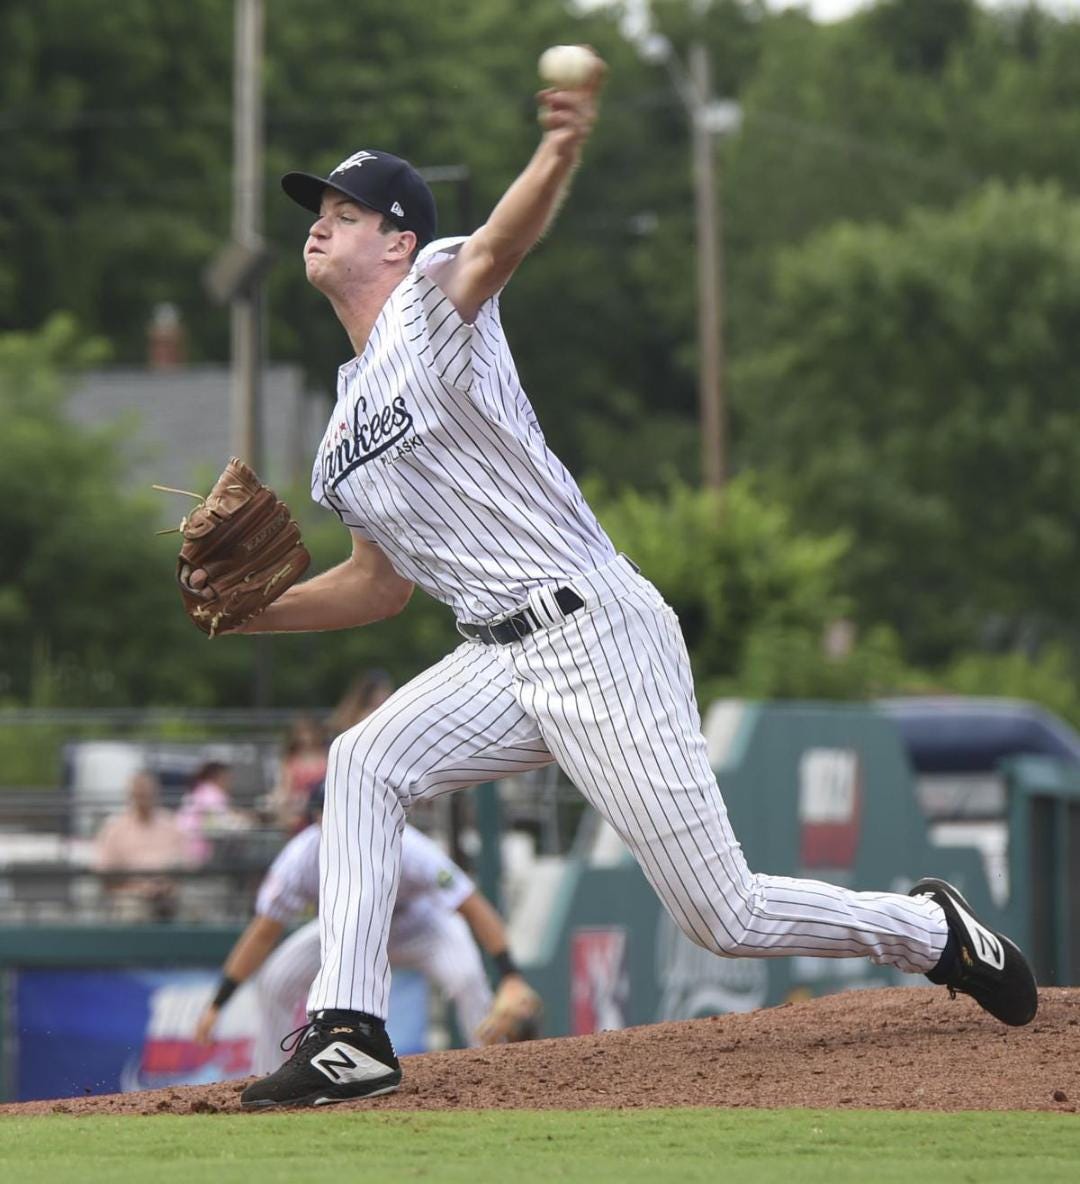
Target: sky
point(821, 10)
point(830, 10)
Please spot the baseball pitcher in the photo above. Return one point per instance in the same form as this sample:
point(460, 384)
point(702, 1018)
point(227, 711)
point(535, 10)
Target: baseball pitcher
point(434, 461)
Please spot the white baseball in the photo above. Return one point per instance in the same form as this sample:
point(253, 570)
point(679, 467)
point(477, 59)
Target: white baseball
point(567, 66)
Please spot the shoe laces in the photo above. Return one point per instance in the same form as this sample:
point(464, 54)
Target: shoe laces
point(297, 1036)
point(294, 1039)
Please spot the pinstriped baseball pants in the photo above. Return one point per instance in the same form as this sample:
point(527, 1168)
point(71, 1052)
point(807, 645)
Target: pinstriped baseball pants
point(606, 692)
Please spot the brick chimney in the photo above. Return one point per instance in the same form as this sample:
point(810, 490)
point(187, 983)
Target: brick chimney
point(166, 341)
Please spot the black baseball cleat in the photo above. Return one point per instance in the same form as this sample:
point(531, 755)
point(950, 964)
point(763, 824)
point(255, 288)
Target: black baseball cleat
point(333, 1061)
point(979, 962)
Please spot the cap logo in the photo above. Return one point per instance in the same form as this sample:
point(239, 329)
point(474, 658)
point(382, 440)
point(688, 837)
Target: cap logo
point(396, 210)
point(354, 161)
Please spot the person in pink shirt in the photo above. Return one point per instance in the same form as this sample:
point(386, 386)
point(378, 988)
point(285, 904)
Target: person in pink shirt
point(144, 838)
point(206, 810)
point(303, 768)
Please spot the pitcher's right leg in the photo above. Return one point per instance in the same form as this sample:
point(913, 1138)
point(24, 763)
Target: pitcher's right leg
point(453, 726)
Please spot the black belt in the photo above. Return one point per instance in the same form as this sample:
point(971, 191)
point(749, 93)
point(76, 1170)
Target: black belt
point(520, 624)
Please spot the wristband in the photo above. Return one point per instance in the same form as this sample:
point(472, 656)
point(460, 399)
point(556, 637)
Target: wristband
point(504, 964)
point(225, 991)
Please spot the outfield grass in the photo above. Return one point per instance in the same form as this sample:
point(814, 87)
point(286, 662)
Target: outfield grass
point(623, 1147)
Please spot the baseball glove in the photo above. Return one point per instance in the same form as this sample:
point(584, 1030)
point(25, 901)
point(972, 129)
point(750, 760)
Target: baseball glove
point(245, 539)
point(515, 1014)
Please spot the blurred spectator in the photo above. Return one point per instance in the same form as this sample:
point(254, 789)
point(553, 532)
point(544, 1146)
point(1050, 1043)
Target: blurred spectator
point(303, 767)
point(144, 838)
point(206, 811)
point(369, 691)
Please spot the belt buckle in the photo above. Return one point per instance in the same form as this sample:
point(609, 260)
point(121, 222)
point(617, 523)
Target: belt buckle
point(519, 622)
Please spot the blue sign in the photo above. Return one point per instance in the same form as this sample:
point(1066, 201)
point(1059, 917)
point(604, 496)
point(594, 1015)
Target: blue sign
point(107, 1031)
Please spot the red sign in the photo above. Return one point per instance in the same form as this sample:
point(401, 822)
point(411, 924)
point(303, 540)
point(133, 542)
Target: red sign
point(830, 807)
point(599, 984)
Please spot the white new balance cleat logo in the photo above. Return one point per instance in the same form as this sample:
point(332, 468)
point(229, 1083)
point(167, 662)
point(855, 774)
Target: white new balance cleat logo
point(985, 945)
point(343, 1063)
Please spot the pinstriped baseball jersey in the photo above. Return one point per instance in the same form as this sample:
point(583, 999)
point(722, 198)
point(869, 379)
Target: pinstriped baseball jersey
point(434, 453)
point(430, 883)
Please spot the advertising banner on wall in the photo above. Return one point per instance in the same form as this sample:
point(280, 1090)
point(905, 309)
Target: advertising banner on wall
point(84, 1031)
point(599, 983)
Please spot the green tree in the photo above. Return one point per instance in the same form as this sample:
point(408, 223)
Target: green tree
point(116, 127)
point(116, 135)
point(84, 612)
point(754, 595)
point(1048, 678)
point(918, 389)
point(922, 35)
point(909, 103)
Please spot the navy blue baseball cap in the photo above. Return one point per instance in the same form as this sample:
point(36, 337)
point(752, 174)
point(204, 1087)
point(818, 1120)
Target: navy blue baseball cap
point(378, 180)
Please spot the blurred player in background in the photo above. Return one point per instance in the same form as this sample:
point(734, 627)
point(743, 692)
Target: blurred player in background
point(437, 922)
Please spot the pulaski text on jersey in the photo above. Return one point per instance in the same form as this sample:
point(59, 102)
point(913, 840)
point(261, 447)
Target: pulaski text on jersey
point(373, 433)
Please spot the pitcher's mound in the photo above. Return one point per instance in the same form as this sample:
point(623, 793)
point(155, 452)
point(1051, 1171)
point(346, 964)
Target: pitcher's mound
point(911, 1048)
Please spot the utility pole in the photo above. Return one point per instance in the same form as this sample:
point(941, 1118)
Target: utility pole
point(711, 395)
point(709, 118)
point(246, 303)
point(246, 309)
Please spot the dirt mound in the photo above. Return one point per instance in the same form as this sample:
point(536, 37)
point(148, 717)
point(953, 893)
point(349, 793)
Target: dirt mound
point(897, 1049)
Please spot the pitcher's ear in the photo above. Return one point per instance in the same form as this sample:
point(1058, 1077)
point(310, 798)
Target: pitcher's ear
point(404, 244)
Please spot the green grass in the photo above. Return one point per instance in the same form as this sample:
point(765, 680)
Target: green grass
point(743, 1146)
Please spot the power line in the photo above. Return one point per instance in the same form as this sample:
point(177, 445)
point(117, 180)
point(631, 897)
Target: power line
point(826, 136)
point(220, 114)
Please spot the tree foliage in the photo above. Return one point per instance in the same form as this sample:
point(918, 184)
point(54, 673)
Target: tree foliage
point(1048, 678)
point(78, 614)
point(920, 385)
point(755, 596)
point(899, 230)
point(910, 103)
point(88, 608)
